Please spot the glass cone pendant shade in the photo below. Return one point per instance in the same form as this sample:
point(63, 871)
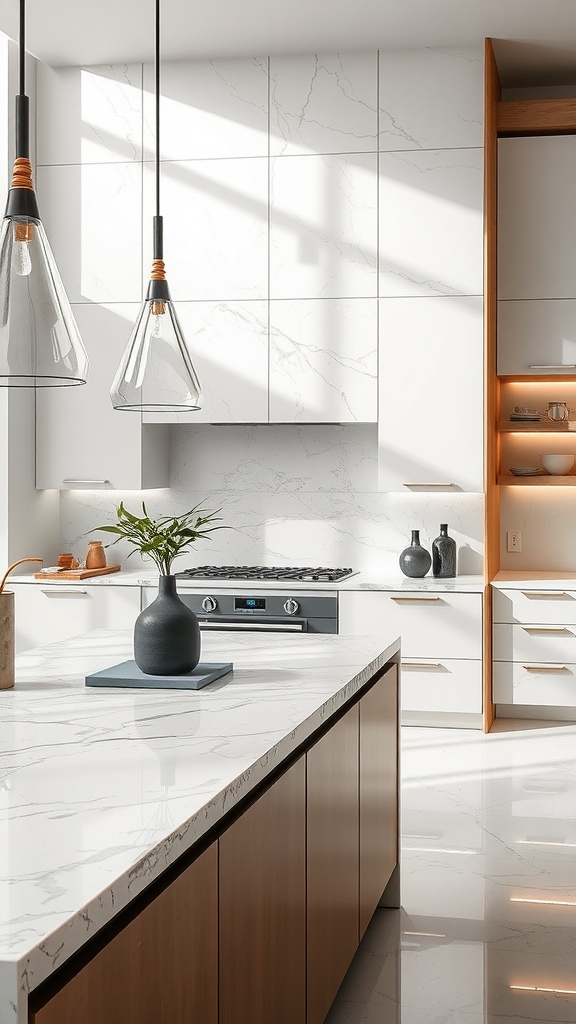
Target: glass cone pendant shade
point(40, 345)
point(156, 373)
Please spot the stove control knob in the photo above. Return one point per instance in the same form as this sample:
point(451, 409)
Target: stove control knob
point(209, 604)
point(291, 606)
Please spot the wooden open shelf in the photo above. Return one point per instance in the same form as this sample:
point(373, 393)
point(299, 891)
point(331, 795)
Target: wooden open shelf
point(533, 427)
point(538, 480)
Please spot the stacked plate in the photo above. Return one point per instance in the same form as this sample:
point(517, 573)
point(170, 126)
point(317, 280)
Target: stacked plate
point(526, 470)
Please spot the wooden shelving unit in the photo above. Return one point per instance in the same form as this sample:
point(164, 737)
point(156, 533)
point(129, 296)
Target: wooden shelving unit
point(538, 480)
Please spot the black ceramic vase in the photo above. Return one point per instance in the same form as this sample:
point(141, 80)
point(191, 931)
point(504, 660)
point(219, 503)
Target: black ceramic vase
point(166, 634)
point(415, 560)
point(443, 554)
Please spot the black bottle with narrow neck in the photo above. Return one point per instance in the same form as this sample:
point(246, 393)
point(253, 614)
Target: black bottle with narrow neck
point(443, 554)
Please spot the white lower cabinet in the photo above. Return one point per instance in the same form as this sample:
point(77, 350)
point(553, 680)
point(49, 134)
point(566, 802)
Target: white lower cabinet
point(534, 638)
point(441, 637)
point(46, 613)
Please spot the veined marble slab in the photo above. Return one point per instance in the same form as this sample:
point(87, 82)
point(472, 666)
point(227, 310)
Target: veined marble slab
point(359, 581)
point(100, 791)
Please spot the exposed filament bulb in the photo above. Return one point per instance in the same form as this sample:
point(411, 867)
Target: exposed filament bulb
point(158, 310)
point(23, 234)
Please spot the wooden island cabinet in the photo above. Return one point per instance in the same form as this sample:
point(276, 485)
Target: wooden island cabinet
point(262, 925)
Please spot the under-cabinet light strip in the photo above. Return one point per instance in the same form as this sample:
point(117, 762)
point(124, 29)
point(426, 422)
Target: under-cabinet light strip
point(547, 903)
point(540, 988)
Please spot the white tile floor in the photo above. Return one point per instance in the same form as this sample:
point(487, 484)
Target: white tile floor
point(487, 929)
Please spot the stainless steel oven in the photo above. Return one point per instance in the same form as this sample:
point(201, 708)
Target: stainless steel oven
point(264, 611)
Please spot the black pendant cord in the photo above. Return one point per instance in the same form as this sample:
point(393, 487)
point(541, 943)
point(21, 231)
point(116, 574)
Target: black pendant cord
point(158, 227)
point(22, 106)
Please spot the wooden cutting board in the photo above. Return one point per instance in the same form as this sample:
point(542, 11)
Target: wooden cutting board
point(76, 574)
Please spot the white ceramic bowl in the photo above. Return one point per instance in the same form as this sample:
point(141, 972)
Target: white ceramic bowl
point(557, 465)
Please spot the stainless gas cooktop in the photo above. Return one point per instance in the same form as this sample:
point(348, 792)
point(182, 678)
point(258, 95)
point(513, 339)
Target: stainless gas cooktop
point(261, 572)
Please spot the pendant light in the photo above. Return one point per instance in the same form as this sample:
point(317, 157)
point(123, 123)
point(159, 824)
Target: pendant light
point(156, 373)
point(40, 345)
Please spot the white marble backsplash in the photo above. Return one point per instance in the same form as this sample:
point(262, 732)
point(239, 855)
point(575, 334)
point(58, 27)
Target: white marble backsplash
point(291, 495)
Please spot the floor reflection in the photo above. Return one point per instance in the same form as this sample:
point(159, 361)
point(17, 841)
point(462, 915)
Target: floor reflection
point(487, 929)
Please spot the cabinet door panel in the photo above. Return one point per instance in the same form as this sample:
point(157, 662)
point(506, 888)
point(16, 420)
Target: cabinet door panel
point(332, 844)
point(536, 217)
point(431, 394)
point(161, 968)
point(50, 612)
point(378, 791)
point(537, 337)
point(263, 908)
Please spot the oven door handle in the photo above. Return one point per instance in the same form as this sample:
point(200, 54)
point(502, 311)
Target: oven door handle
point(254, 626)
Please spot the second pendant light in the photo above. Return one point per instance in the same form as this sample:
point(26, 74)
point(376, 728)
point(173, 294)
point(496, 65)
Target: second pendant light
point(156, 373)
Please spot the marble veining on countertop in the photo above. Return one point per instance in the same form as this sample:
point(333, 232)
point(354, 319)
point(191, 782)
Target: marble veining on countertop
point(359, 581)
point(101, 790)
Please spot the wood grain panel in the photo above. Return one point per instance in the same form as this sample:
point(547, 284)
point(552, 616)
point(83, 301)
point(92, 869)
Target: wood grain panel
point(492, 91)
point(378, 791)
point(536, 117)
point(160, 969)
point(263, 908)
point(332, 844)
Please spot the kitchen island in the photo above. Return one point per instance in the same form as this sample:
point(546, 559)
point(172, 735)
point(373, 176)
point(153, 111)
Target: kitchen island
point(265, 804)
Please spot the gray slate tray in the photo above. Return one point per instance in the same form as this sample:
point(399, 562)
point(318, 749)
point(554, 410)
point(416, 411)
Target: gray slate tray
point(128, 674)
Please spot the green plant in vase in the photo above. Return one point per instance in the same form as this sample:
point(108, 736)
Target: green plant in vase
point(166, 634)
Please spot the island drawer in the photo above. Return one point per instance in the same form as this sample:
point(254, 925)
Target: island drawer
point(431, 624)
point(534, 604)
point(534, 642)
point(536, 683)
point(443, 685)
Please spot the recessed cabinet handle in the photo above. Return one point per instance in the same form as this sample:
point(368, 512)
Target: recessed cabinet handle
point(415, 597)
point(76, 481)
point(552, 366)
point(432, 483)
point(546, 629)
point(544, 593)
point(63, 590)
point(420, 664)
point(545, 668)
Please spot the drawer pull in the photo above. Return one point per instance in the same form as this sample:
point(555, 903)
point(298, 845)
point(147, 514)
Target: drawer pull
point(433, 483)
point(545, 668)
point(63, 590)
point(552, 366)
point(73, 481)
point(414, 597)
point(544, 593)
point(420, 664)
point(547, 629)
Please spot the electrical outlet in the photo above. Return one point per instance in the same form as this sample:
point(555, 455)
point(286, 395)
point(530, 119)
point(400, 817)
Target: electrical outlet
point(514, 540)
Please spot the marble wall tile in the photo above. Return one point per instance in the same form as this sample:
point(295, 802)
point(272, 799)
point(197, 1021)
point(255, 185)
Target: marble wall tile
point(215, 227)
point(275, 458)
point(364, 530)
point(93, 218)
point(89, 114)
point(323, 360)
point(431, 98)
point(323, 226)
point(228, 342)
point(209, 108)
point(323, 103)
point(430, 213)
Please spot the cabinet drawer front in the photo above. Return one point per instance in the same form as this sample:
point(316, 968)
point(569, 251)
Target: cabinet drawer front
point(548, 607)
point(442, 686)
point(534, 642)
point(535, 683)
point(432, 625)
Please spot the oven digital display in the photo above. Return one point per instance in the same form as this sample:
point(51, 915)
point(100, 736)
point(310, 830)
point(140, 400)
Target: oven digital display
point(249, 604)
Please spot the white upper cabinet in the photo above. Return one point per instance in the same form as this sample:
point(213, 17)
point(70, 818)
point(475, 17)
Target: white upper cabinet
point(536, 217)
point(323, 360)
point(536, 337)
point(431, 394)
point(81, 441)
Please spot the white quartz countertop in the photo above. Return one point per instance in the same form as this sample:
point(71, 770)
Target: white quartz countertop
point(102, 789)
point(536, 580)
point(360, 581)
